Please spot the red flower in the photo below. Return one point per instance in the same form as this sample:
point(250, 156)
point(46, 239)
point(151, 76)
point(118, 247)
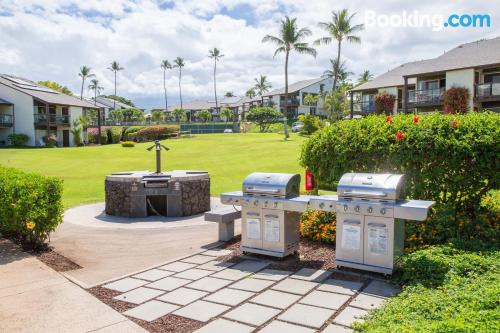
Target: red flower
point(455, 123)
point(416, 119)
point(400, 136)
point(389, 119)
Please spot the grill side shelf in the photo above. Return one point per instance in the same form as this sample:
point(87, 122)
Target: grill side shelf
point(415, 210)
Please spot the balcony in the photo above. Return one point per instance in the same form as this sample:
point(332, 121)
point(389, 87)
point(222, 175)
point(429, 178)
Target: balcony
point(488, 91)
point(42, 119)
point(6, 120)
point(291, 102)
point(426, 97)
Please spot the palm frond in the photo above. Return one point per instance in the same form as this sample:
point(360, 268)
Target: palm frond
point(272, 39)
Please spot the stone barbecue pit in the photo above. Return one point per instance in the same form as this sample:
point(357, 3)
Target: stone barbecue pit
point(172, 194)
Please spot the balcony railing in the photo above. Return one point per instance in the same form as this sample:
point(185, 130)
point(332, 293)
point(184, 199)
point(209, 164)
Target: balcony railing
point(488, 90)
point(426, 97)
point(364, 107)
point(6, 120)
point(42, 119)
point(291, 101)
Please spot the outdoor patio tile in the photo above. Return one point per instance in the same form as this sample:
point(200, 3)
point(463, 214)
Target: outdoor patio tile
point(198, 259)
point(217, 252)
point(169, 283)
point(183, 296)
point(340, 286)
point(252, 314)
point(201, 311)
point(251, 284)
point(349, 315)
point(307, 315)
point(151, 310)
point(209, 284)
point(177, 266)
point(225, 326)
point(279, 326)
point(272, 274)
point(139, 295)
point(153, 274)
point(309, 274)
point(216, 266)
point(229, 296)
point(241, 270)
point(325, 299)
point(125, 284)
point(367, 302)
point(332, 328)
point(193, 274)
point(380, 288)
point(295, 286)
point(275, 299)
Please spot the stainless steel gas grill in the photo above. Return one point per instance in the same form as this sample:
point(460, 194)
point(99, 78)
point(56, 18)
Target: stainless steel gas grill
point(271, 208)
point(370, 219)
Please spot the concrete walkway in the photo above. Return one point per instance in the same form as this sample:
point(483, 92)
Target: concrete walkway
point(109, 247)
point(34, 298)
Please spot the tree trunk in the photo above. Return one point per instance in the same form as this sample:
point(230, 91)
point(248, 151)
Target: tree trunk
point(335, 70)
point(114, 101)
point(83, 83)
point(215, 86)
point(165, 91)
point(180, 88)
point(286, 83)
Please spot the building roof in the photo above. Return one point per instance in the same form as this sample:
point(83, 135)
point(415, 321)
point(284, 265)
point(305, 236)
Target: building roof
point(40, 92)
point(3, 101)
point(110, 103)
point(476, 54)
point(294, 87)
point(96, 103)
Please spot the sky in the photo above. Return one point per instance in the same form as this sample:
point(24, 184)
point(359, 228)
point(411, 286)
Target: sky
point(52, 39)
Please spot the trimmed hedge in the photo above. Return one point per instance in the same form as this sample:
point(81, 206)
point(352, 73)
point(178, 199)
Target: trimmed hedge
point(31, 205)
point(130, 133)
point(158, 132)
point(128, 144)
point(114, 134)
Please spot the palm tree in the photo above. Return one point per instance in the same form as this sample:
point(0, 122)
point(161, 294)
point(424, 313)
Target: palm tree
point(340, 28)
point(84, 74)
point(262, 86)
point(94, 85)
point(250, 93)
point(229, 94)
point(341, 70)
point(165, 64)
point(179, 63)
point(115, 67)
point(216, 55)
point(290, 39)
point(365, 76)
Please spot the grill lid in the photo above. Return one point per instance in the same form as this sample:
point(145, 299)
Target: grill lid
point(284, 185)
point(385, 186)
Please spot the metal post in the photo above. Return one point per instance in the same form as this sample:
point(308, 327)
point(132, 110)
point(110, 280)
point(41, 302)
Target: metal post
point(405, 95)
point(158, 156)
point(352, 104)
point(286, 128)
point(99, 125)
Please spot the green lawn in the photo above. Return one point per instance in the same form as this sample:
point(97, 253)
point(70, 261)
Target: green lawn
point(227, 157)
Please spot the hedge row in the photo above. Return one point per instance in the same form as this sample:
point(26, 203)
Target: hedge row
point(31, 205)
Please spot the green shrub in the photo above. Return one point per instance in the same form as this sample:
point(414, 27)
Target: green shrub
point(264, 117)
point(204, 115)
point(114, 134)
point(311, 124)
point(130, 133)
point(93, 135)
point(128, 144)
point(157, 132)
point(318, 225)
point(18, 139)
point(31, 205)
point(50, 140)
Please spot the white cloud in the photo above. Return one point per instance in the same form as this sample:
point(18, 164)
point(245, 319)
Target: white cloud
point(51, 39)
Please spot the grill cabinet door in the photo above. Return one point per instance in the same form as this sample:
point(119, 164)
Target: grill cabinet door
point(379, 241)
point(273, 231)
point(349, 237)
point(251, 228)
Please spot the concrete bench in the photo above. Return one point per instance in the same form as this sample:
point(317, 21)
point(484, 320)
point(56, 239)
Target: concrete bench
point(225, 218)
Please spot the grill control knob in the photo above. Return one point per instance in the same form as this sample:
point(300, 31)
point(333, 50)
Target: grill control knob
point(382, 211)
point(346, 208)
point(321, 205)
point(357, 208)
point(370, 210)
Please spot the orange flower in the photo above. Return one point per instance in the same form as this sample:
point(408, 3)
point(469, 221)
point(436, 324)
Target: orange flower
point(416, 119)
point(400, 136)
point(455, 123)
point(389, 120)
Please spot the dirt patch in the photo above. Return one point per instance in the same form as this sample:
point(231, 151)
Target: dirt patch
point(106, 296)
point(56, 261)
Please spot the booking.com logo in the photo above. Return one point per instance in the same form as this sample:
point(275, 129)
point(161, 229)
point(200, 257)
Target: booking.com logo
point(436, 22)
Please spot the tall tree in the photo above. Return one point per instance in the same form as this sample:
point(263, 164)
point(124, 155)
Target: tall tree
point(165, 64)
point(229, 94)
point(115, 68)
point(290, 38)
point(94, 85)
point(340, 69)
point(84, 74)
point(216, 55)
point(179, 63)
point(340, 28)
point(365, 76)
point(262, 86)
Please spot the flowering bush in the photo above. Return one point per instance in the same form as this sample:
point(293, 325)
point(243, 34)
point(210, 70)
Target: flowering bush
point(384, 103)
point(158, 132)
point(93, 135)
point(318, 225)
point(456, 100)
